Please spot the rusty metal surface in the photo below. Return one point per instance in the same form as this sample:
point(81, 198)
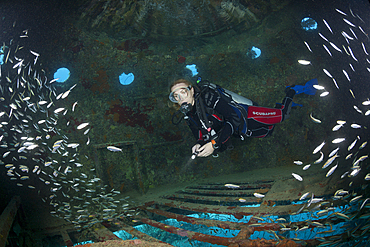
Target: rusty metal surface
point(239, 240)
point(136, 233)
point(66, 238)
point(216, 223)
point(102, 233)
point(7, 218)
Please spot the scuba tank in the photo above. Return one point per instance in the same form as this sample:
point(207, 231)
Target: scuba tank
point(228, 95)
point(234, 96)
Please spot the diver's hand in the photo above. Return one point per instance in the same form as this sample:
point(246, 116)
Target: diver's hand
point(206, 150)
point(195, 149)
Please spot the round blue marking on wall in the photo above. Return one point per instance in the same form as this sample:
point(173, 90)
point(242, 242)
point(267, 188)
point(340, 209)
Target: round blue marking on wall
point(62, 74)
point(193, 69)
point(308, 24)
point(254, 52)
point(126, 79)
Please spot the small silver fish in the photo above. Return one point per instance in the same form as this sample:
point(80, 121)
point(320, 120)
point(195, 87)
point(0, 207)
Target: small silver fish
point(354, 34)
point(318, 87)
point(296, 176)
point(65, 94)
point(366, 102)
point(304, 62)
point(335, 47)
point(232, 186)
point(320, 159)
point(327, 73)
point(327, 50)
point(352, 145)
point(327, 25)
point(348, 22)
point(345, 35)
point(340, 12)
point(115, 149)
point(304, 196)
point(346, 74)
point(357, 109)
point(323, 37)
point(258, 195)
point(329, 161)
point(363, 204)
point(306, 167)
point(315, 120)
point(363, 145)
point(331, 170)
point(353, 69)
point(74, 105)
point(81, 126)
point(352, 55)
point(73, 145)
point(53, 80)
point(355, 198)
point(364, 48)
point(59, 110)
point(326, 93)
point(298, 162)
point(349, 156)
point(308, 47)
point(338, 140)
point(354, 172)
point(318, 148)
point(360, 159)
point(333, 152)
point(335, 83)
point(344, 174)
point(337, 127)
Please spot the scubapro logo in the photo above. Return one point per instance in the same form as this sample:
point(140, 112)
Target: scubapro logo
point(264, 113)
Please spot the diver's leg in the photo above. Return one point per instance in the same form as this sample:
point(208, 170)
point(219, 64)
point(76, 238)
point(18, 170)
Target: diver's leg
point(259, 130)
point(287, 103)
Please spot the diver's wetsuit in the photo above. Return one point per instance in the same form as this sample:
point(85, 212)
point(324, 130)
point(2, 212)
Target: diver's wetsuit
point(228, 119)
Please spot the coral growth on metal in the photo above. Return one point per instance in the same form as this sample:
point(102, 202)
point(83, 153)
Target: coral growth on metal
point(158, 18)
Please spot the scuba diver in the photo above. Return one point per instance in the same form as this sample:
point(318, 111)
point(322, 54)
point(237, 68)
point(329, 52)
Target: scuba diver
point(214, 114)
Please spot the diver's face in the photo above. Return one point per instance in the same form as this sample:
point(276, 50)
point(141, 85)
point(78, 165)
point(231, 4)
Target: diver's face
point(182, 94)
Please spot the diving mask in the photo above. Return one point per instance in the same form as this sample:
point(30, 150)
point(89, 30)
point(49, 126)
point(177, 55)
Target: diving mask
point(179, 94)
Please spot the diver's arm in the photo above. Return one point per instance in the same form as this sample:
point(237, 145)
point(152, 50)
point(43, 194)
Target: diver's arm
point(196, 133)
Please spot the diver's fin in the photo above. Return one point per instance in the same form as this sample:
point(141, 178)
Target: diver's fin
point(295, 104)
point(279, 105)
point(307, 88)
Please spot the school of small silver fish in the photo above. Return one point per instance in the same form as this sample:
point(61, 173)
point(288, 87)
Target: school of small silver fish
point(38, 154)
point(348, 153)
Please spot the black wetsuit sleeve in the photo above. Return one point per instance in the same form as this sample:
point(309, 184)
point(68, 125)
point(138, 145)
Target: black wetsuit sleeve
point(194, 129)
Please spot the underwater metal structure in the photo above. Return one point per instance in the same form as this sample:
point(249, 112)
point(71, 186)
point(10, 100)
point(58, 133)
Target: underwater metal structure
point(165, 18)
point(239, 214)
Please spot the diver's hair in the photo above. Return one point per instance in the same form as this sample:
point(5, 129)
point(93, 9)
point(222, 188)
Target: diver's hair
point(178, 81)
